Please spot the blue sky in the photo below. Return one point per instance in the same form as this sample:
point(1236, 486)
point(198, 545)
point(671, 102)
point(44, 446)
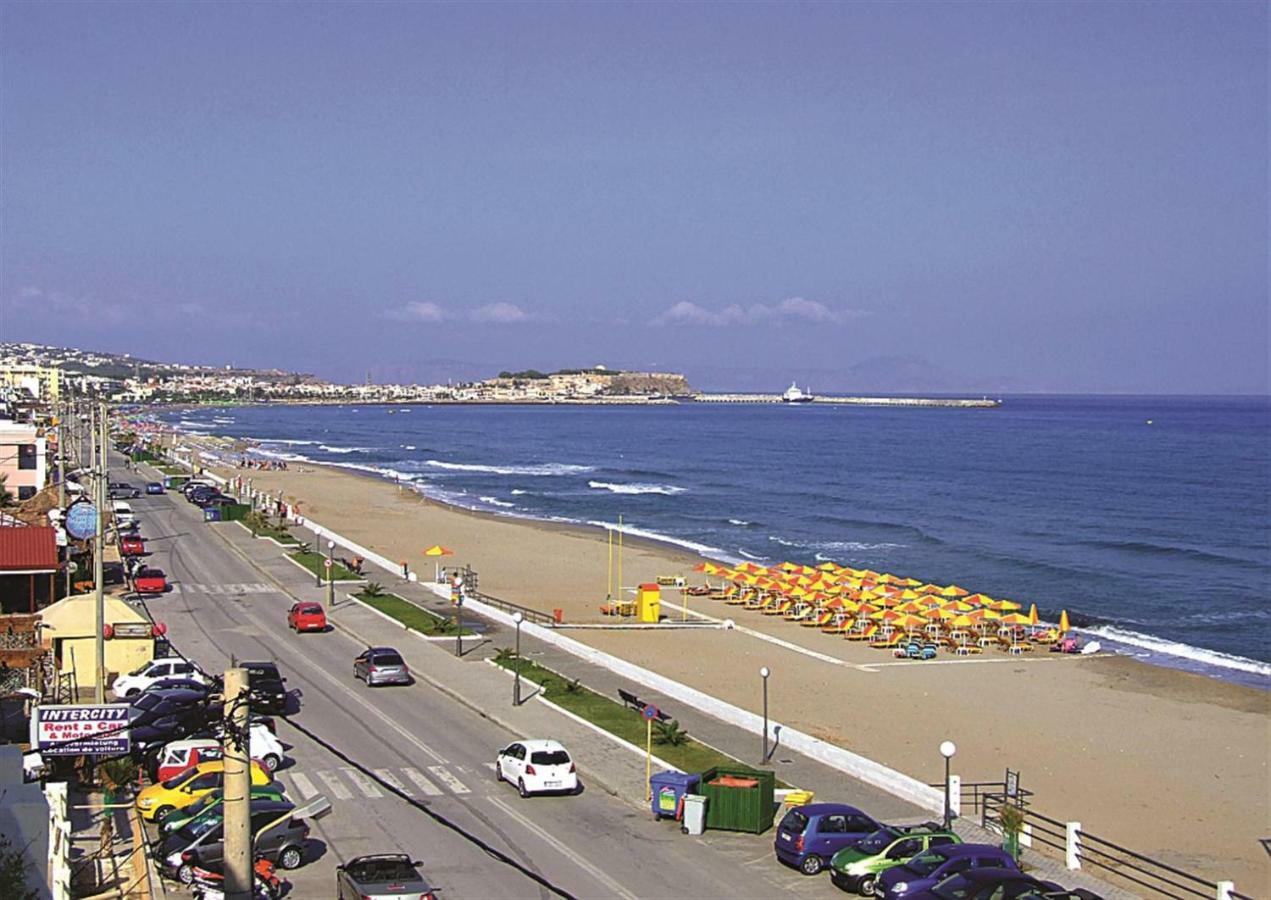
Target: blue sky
point(906, 196)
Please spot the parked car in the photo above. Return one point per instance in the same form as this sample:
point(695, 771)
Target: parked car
point(267, 686)
point(306, 616)
point(856, 868)
point(150, 581)
point(131, 545)
point(209, 805)
point(983, 884)
point(381, 665)
point(121, 490)
point(178, 756)
point(161, 716)
point(209, 501)
point(154, 487)
point(383, 876)
point(157, 670)
point(181, 684)
point(202, 843)
point(156, 801)
point(537, 767)
point(810, 835)
point(928, 869)
point(123, 513)
point(199, 491)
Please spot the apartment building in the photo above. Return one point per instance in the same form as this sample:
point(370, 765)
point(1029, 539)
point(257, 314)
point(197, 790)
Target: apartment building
point(23, 459)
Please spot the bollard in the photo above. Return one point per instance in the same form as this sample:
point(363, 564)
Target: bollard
point(955, 795)
point(1072, 846)
point(1225, 890)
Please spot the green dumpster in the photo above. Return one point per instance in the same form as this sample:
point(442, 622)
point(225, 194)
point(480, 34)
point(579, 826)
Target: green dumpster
point(738, 798)
point(235, 512)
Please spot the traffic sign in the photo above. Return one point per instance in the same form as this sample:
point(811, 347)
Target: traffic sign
point(650, 712)
point(326, 563)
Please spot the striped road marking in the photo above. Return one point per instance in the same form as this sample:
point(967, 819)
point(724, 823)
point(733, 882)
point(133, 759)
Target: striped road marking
point(449, 780)
point(362, 783)
point(304, 787)
point(421, 781)
point(387, 776)
point(334, 785)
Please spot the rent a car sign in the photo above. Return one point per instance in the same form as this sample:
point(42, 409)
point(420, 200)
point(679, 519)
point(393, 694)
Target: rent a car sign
point(74, 729)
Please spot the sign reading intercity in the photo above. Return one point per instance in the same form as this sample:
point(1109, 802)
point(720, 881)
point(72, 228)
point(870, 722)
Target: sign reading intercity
point(99, 729)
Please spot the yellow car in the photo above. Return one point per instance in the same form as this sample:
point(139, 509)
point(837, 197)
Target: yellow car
point(157, 801)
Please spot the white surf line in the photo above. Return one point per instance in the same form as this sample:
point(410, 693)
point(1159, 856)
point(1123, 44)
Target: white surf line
point(421, 781)
point(569, 854)
point(334, 784)
point(449, 780)
point(361, 782)
point(304, 787)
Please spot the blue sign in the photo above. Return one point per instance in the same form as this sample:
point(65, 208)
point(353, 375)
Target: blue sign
point(81, 521)
point(92, 729)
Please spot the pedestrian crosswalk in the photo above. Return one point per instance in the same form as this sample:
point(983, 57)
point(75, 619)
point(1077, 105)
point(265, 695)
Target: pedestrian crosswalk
point(230, 590)
point(347, 782)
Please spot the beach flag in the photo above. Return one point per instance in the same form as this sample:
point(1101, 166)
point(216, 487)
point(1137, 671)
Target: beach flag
point(1063, 622)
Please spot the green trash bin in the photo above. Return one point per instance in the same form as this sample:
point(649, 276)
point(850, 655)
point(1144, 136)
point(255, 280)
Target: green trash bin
point(731, 807)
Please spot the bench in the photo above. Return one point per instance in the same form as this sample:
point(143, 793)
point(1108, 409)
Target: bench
point(631, 701)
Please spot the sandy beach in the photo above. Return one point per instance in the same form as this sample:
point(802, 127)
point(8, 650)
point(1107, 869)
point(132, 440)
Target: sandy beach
point(1167, 763)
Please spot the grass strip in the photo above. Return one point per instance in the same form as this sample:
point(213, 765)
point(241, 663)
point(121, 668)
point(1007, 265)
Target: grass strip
point(316, 563)
point(416, 618)
point(278, 533)
point(619, 720)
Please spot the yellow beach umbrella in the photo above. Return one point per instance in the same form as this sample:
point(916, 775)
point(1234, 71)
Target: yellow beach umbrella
point(909, 594)
point(436, 550)
point(982, 599)
point(1032, 614)
point(909, 622)
point(1014, 619)
point(1063, 621)
point(954, 591)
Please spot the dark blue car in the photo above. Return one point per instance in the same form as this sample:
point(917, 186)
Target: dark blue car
point(928, 869)
point(983, 884)
point(809, 835)
point(154, 487)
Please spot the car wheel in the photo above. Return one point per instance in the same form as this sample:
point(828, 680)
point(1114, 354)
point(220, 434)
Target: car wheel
point(520, 787)
point(272, 762)
point(812, 864)
point(868, 885)
point(290, 858)
point(498, 772)
point(185, 874)
point(162, 813)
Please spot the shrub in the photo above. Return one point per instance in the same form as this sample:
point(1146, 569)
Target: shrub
point(670, 732)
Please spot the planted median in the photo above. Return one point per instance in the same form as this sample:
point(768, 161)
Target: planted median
point(316, 564)
point(670, 742)
point(416, 618)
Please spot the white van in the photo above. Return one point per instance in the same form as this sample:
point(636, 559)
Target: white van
point(123, 513)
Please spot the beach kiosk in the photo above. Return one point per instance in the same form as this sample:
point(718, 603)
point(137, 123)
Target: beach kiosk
point(649, 603)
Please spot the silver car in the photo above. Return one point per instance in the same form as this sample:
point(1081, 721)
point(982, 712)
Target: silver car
point(381, 665)
point(384, 876)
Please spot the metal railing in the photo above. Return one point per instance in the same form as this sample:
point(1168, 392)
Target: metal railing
point(537, 616)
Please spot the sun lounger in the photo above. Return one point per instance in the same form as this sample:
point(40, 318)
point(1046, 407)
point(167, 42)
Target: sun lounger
point(818, 620)
point(867, 634)
point(888, 642)
point(778, 609)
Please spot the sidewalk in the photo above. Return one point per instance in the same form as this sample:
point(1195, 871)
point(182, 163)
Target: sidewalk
point(605, 762)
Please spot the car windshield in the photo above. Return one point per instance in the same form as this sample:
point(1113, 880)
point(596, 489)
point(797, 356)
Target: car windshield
point(549, 757)
point(794, 822)
point(878, 841)
point(201, 826)
point(150, 573)
point(177, 780)
point(373, 870)
point(955, 888)
point(386, 659)
point(141, 668)
point(311, 610)
point(925, 864)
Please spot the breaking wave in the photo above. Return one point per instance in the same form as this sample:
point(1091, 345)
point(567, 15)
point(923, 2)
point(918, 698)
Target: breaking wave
point(636, 488)
point(544, 469)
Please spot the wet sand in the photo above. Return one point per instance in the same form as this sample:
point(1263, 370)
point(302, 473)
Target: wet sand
point(1167, 763)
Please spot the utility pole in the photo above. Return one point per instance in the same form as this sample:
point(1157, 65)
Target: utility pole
point(237, 789)
point(99, 549)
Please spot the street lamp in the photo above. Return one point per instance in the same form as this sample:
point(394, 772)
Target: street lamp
point(947, 749)
point(516, 684)
point(764, 672)
point(330, 574)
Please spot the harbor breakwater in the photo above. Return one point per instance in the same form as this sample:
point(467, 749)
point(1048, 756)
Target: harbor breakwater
point(938, 402)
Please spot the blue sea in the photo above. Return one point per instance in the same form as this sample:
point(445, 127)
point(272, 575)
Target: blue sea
point(1147, 518)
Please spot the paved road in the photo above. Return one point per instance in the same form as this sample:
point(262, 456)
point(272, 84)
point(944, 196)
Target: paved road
point(369, 745)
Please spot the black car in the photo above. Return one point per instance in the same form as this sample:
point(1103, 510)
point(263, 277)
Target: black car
point(267, 686)
point(166, 715)
point(981, 884)
point(121, 490)
point(216, 500)
point(201, 843)
point(199, 491)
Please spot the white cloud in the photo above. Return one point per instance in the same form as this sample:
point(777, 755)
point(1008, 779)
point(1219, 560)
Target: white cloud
point(35, 299)
point(788, 310)
point(418, 311)
point(501, 313)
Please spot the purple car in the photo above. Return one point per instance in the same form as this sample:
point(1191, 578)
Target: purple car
point(989, 884)
point(926, 870)
point(809, 835)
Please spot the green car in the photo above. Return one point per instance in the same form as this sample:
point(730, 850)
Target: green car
point(856, 868)
point(210, 806)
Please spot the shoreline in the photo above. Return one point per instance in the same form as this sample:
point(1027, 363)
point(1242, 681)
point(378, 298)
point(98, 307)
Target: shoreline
point(1145, 648)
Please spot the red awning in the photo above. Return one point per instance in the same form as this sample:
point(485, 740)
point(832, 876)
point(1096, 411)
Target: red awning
point(28, 549)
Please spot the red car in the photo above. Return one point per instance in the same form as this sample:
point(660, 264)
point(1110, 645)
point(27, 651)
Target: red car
point(132, 546)
point(150, 581)
point(307, 617)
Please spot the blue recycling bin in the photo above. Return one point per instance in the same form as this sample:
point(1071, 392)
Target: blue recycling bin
point(667, 789)
point(212, 514)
